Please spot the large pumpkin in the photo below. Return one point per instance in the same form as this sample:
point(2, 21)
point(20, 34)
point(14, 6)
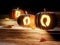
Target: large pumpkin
point(15, 13)
point(46, 20)
point(26, 20)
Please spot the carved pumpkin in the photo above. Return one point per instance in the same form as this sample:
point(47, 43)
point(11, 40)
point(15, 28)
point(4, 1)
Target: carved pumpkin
point(27, 20)
point(46, 21)
point(15, 13)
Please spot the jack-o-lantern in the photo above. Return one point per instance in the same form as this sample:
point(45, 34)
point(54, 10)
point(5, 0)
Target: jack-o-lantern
point(46, 20)
point(27, 20)
point(15, 13)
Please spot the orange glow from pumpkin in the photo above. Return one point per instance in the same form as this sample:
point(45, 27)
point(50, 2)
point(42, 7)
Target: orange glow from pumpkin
point(29, 21)
point(47, 23)
point(26, 20)
point(17, 14)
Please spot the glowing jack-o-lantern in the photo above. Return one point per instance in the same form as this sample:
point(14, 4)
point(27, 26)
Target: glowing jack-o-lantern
point(15, 13)
point(46, 21)
point(26, 20)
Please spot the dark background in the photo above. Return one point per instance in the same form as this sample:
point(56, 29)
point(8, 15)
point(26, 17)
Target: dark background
point(32, 6)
